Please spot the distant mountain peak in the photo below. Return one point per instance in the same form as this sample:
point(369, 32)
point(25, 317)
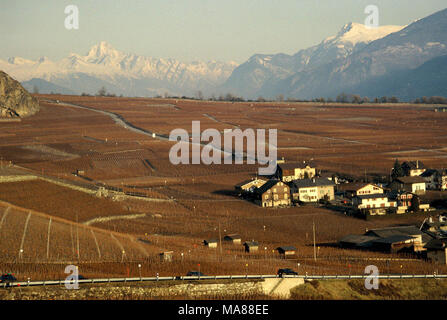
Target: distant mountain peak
point(354, 33)
point(102, 49)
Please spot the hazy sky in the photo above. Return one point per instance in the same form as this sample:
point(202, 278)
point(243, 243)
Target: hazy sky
point(189, 29)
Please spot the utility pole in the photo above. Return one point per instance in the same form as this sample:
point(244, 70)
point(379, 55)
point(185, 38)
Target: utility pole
point(77, 237)
point(315, 252)
point(220, 243)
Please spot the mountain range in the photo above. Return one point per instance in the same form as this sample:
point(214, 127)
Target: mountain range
point(388, 60)
point(118, 72)
point(405, 61)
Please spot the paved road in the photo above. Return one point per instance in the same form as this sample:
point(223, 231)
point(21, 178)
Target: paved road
point(226, 277)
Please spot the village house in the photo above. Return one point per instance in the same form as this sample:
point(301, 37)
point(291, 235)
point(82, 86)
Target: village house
point(313, 190)
point(273, 193)
point(432, 179)
point(286, 251)
point(249, 186)
point(392, 240)
point(351, 190)
point(437, 250)
point(403, 199)
point(374, 204)
point(251, 246)
point(444, 180)
point(413, 184)
point(288, 172)
point(211, 243)
point(233, 238)
point(413, 168)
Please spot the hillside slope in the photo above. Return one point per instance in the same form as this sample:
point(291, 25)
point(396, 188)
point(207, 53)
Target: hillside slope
point(15, 101)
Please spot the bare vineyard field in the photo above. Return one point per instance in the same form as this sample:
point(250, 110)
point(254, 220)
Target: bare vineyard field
point(60, 140)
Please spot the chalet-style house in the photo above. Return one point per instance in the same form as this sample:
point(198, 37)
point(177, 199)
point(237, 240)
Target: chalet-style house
point(444, 180)
point(403, 199)
point(273, 193)
point(413, 184)
point(288, 172)
point(249, 186)
point(312, 190)
point(413, 168)
point(432, 179)
point(351, 190)
point(374, 204)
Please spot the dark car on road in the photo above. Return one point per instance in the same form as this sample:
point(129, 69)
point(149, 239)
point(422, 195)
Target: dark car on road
point(195, 274)
point(287, 271)
point(7, 278)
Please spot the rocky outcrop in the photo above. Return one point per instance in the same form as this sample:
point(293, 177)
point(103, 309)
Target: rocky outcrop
point(15, 101)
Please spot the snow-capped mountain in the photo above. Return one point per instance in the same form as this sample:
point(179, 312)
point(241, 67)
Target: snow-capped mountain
point(346, 62)
point(261, 70)
point(121, 73)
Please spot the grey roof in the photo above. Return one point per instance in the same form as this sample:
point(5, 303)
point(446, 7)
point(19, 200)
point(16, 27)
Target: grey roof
point(251, 243)
point(414, 179)
point(210, 241)
point(392, 231)
point(429, 173)
point(266, 186)
point(286, 248)
point(393, 239)
point(316, 182)
point(358, 240)
point(232, 236)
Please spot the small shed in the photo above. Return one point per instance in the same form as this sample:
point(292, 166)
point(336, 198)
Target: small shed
point(210, 243)
point(166, 256)
point(251, 246)
point(233, 238)
point(286, 251)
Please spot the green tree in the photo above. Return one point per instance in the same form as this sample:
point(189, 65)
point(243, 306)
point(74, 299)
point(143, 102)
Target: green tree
point(397, 170)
